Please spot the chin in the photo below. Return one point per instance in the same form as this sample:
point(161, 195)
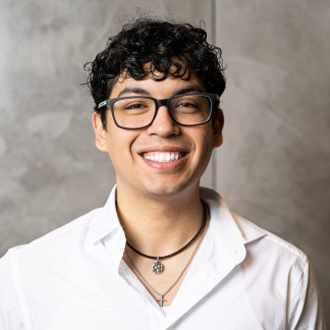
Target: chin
point(166, 189)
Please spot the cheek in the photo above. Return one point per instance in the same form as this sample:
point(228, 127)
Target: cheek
point(119, 146)
point(205, 142)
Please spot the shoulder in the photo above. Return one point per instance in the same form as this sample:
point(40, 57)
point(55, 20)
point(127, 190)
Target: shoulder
point(269, 238)
point(287, 272)
point(274, 266)
point(52, 245)
point(263, 247)
point(269, 254)
point(251, 233)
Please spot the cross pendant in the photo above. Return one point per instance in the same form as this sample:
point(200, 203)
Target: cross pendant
point(161, 300)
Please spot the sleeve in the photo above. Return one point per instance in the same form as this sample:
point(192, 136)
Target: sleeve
point(11, 316)
point(306, 310)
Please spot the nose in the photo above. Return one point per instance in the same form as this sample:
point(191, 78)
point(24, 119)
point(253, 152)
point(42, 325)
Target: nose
point(163, 125)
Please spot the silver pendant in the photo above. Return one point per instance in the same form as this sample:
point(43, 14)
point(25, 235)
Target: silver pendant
point(157, 267)
point(161, 300)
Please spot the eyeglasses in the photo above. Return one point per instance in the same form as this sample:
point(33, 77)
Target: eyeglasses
point(135, 112)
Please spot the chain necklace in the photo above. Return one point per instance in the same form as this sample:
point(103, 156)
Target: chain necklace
point(161, 299)
point(158, 267)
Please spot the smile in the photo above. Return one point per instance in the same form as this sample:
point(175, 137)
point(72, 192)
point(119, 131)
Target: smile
point(163, 157)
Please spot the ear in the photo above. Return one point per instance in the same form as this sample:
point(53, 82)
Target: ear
point(217, 130)
point(100, 133)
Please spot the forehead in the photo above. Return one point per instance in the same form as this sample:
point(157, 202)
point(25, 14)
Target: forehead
point(172, 85)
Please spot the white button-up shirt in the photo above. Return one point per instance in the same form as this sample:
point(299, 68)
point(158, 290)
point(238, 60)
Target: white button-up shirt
point(74, 278)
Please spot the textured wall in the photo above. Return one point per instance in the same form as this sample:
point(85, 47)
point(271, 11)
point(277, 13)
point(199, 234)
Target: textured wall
point(274, 167)
point(50, 170)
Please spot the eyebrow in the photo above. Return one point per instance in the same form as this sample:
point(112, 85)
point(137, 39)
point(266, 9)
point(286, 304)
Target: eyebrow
point(134, 90)
point(189, 89)
point(142, 91)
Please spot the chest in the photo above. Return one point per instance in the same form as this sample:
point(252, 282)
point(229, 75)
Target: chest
point(126, 308)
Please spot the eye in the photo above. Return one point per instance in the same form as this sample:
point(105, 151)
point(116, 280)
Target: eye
point(135, 106)
point(186, 104)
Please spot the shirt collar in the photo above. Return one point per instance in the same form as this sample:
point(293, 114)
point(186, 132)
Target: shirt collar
point(226, 238)
point(233, 225)
point(106, 221)
point(224, 246)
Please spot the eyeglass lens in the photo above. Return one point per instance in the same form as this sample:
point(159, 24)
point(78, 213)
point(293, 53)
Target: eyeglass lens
point(138, 112)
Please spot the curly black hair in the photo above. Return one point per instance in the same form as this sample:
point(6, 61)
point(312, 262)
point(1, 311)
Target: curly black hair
point(162, 44)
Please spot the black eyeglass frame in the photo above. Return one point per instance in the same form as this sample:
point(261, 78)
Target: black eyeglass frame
point(214, 101)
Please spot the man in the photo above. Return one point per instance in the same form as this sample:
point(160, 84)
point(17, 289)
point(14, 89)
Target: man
point(162, 253)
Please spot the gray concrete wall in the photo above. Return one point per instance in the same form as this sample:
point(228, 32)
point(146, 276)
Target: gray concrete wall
point(274, 166)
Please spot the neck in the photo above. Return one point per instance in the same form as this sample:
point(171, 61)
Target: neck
point(159, 226)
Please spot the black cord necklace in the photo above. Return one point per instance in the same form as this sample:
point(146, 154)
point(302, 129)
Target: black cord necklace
point(158, 267)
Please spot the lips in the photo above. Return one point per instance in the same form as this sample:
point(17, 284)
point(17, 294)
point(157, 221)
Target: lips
point(163, 156)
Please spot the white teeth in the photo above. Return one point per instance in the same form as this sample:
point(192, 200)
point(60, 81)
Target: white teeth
point(163, 157)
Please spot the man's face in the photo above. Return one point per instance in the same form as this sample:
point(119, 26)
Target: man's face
point(132, 152)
